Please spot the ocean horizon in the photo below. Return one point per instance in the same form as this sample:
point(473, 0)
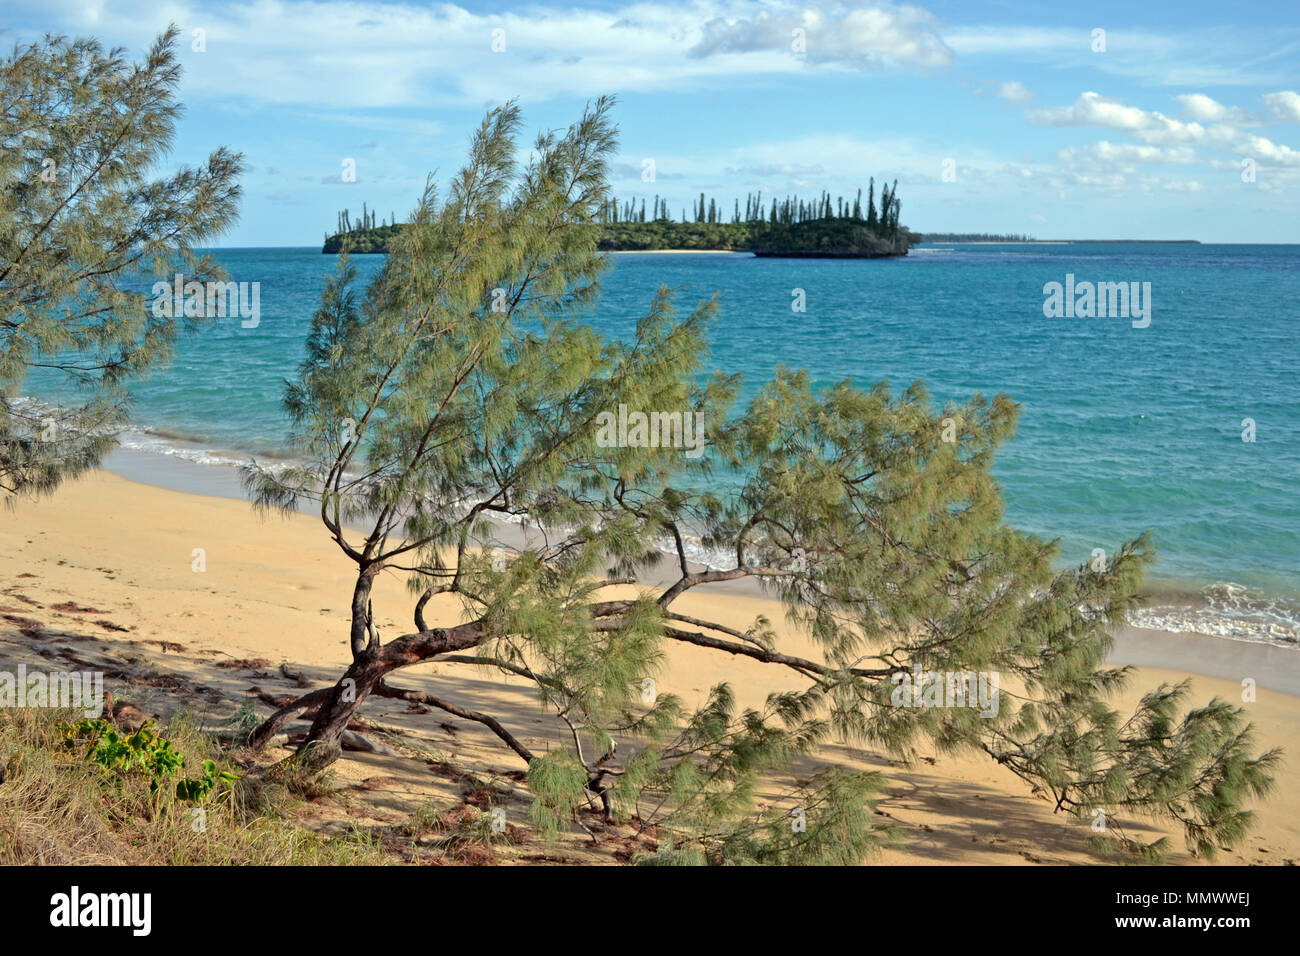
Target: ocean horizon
point(1179, 421)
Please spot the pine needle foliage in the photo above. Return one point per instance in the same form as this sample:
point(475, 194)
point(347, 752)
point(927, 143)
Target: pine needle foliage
point(82, 224)
point(462, 385)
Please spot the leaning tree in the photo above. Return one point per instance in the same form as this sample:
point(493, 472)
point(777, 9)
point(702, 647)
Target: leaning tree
point(84, 224)
point(461, 389)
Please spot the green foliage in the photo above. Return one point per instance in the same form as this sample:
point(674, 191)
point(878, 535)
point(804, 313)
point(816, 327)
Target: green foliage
point(668, 855)
point(828, 821)
point(200, 788)
point(826, 237)
point(665, 234)
point(57, 808)
point(559, 785)
point(364, 239)
point(460, 386)
point(830, 236)
point(245, 720)
point(797, 227)
point(82, 229)
point(143, 751)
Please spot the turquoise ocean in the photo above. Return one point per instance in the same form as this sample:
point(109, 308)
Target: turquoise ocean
point(1122, 429)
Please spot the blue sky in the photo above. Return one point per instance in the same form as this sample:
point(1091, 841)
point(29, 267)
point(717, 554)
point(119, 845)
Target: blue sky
point(1047, 134)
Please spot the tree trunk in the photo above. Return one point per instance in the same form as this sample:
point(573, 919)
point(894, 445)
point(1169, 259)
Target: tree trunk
point(322, 745)
point(361, 609)
point(273, 724)
point(368, 668)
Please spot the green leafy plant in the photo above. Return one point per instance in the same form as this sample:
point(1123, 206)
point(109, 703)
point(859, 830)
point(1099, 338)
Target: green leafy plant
point(143, 751)
point(197, 790)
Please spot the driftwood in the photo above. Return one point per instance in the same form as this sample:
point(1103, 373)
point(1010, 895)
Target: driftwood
point(299, 678)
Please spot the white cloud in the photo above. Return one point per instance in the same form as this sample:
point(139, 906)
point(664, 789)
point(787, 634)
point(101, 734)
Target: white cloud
point(1285, 105)
point(980, 40)
point(1198, 106)
point(1015, 91)
point(1118, 167)
point(1154, 128)
point(1266, 152)
point(867, 38)
point(1128, 153)
point(1093, 109)
point(367, 54)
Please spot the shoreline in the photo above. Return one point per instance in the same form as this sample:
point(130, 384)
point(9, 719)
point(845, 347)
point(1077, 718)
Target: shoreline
point(1167, 602)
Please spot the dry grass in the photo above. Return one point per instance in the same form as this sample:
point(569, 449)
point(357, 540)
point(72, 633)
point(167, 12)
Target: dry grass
point(58, 809)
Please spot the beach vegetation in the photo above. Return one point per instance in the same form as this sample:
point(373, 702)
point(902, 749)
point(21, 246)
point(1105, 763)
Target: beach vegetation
point(83, 223)
point(430, 421)
point(118, 797)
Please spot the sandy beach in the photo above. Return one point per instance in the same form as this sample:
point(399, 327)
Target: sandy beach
point(102, 575)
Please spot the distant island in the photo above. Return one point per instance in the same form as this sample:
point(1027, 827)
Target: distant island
point(792, 227)
point(999, 238)
point(976, 237)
